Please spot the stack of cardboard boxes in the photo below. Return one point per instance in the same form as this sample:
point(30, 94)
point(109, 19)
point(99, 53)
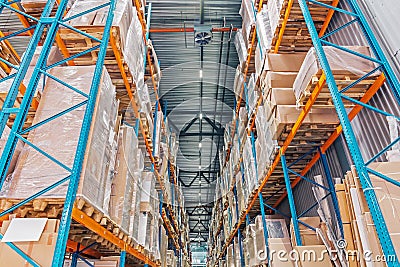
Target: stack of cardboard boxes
point(359, 228)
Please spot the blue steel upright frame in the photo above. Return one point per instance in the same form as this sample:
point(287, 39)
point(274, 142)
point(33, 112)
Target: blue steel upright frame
point(51, 25)
point(380, 60)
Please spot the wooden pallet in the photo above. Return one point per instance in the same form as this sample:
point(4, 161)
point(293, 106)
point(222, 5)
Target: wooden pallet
point(35, 8)
point(53, 207)
point(31, 112)
point(296, 37)
point(324, 98)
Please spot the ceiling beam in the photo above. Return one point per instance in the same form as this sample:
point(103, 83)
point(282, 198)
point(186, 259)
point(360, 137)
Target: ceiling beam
point(188, 29)
point(221, 133)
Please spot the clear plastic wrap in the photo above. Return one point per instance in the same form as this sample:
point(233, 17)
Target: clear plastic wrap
point(249, 166)
point(238, 82)
point(340, 62)
point(156, 145)
point(388, 197)
point(393, 154)
point(59, 138)
point(123, 15)
point(264, 31)
point(248, 14)
point(134, 50)
point(144, 99)
point(156, 65)
point(252, 93)
point(163, 247)
point(265, 145)
point(241, 46)
point(125, 180)
point(17, 151)
point(53, 57)
point(274, 12)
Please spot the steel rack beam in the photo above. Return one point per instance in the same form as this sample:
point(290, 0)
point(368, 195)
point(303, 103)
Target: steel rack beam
point(92, 225)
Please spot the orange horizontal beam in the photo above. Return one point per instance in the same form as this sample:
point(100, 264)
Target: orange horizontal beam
point(72, 246)
point(93, 226)
point(189, 29)
point(353, 113)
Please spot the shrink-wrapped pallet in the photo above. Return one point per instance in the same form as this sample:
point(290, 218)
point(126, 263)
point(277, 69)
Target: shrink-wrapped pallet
point(238, 82)
point(247, 13)
point(241, 46)
point(252, 93)
point(17, 151)
point(265, 145)
point(171, 258)
point(249, 250)
point(275, 12)
point(59, 138)
point(349, 66)
point(126, 180)
point(134, 50)
point(148, 195)
point(163, 247)
point(250, 172)
point(264, 32)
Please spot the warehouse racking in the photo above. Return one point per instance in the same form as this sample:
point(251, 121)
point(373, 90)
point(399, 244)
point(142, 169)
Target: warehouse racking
point(300, 146)
point(295, 166)
point(47, 20)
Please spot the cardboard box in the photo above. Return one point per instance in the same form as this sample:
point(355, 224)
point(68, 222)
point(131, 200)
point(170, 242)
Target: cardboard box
point(308, 236)
point(284, 62)
point(39, 251)
point(281, 96)
point(279, 79)
point(343, 207)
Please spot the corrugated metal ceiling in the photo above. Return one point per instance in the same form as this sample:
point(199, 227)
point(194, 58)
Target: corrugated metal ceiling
point(182, 88)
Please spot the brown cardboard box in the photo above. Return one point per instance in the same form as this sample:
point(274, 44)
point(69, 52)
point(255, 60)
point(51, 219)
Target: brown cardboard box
point(39, 251)
point(343, 207)
point(279, 79)
point(284, 62)
point(281, 96)
point(308, 236)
